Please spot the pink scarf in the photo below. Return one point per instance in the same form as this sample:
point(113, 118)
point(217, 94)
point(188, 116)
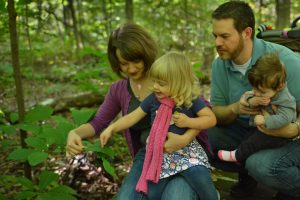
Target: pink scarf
point(154, 154)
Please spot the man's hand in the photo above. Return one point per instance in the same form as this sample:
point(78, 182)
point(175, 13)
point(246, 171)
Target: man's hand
point(259, 120)
point(259, 101)
point(242, 107)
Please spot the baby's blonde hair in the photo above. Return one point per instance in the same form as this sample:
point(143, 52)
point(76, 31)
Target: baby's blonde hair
point(176, 69)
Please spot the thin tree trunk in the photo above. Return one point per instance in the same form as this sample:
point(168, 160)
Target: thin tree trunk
point(17, 75)
point(74, 20)
point(283, 8)
point(129, 10)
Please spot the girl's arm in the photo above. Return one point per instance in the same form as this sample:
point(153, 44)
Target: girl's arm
point(206, 119)
point(121, 124)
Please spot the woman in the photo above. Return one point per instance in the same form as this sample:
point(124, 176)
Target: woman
point(131, 52)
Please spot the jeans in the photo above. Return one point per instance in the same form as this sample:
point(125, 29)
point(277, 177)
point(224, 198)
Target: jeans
point(228, 138)
point(278, 168)
point(200, 180)
point(175, 189)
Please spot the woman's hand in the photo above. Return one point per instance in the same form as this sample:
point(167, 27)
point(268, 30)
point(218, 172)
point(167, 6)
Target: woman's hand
point(105, 136)
point(174, 142)
point(74, 144)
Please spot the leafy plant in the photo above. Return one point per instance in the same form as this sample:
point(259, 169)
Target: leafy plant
point(48, 135)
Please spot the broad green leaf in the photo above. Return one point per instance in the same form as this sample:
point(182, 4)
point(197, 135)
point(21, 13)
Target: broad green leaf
point(81, 116)
point(14, 117)
point(39, 113)
point(26, 195)
point(60, 119)
point(109, 168)
point(52, 196)
point(96, 147)
point(6, 144)
point(37, 143)
point(20, 154)
point(8, 129)
point(30, 127)
point(46, 178)
point(37, 157)
point(2, 9)
point(63, 189)
point(26, 183)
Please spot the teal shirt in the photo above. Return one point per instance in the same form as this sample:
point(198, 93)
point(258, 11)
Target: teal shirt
point(228, 84)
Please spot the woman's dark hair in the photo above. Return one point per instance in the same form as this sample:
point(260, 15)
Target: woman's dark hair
point(134, 44)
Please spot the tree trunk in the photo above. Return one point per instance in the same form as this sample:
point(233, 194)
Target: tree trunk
point(17, 75)
point(129, 10)
point(106, 13)
point(74, 20)
point(283, 8)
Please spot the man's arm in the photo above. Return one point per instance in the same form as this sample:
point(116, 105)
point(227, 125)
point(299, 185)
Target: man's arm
point(227, 114)
point(289, 131)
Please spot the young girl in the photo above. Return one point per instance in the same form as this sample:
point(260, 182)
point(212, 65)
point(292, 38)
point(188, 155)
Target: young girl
point(175, 84)
point(268, 79)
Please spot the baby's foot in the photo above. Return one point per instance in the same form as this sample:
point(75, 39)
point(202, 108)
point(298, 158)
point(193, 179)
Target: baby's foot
point(227, 155)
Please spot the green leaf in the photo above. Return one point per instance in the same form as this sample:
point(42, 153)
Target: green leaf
point(37, 143)
point(30, 127)
point(96, 147)
point(26, 195)
point(6, 144)
point(37, 157)
point(63, 189)
point(46, 178)
point(26, 183)
point(81, 116)
point(60, 192)
point(8, 129)
point(60, 119)
point(39, 113)
point(19, 154)
point(109, 168)
point(2, 6)
point(14, 117)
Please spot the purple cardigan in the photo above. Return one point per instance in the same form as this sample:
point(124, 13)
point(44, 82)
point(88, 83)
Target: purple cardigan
point(117, 100)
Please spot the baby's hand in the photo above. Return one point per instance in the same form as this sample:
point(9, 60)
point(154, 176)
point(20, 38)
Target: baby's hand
point(180, 120)
point(105, 136)
point(259, 120)
point(259, 101)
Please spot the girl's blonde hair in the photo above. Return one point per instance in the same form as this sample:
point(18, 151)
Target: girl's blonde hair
point(176, 69)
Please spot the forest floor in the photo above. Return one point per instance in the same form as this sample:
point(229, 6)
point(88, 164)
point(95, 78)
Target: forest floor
point(122, 162)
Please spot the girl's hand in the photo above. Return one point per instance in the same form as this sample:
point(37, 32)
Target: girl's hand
point(181, 120)
point(259, 120)
point(105, 136)
point(174, 142)
point(74, 144)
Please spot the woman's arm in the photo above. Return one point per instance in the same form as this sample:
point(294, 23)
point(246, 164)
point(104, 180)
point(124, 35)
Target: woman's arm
point(176, 142)
point(121, 124)
point(74, 141)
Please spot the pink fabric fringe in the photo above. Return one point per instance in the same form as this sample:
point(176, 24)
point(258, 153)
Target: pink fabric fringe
point(154, 154)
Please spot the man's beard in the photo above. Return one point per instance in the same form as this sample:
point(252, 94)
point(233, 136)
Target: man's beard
point(235, 53)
